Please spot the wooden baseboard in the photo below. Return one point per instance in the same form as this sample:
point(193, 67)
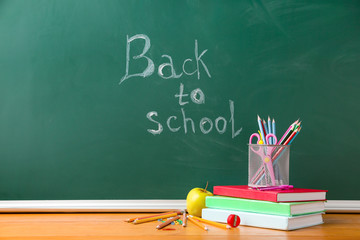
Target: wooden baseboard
point(338, 206)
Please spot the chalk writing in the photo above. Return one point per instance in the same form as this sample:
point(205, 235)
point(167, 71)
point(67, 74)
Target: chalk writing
point(149, 70)
point(190, 66)
point(186, 122)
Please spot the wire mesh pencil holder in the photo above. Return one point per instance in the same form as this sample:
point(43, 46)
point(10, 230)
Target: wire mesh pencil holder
point(268, 165)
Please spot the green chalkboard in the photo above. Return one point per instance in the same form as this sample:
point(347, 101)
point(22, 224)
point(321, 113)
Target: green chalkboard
point(97, 98)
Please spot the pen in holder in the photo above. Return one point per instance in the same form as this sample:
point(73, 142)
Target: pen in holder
point(268, 165)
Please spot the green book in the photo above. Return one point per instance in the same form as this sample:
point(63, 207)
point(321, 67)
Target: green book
point(266, 207)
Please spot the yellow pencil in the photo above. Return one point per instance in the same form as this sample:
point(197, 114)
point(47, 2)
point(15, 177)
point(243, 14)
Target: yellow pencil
point(160, 214)
point(197, 223)
point(216, 224)
point(137, 221)
point(130, 219)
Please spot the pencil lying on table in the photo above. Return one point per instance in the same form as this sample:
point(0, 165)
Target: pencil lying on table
point(216, 224)
point(169, 221)
point(160, 214)
point(184, 219)
point(137, 221)
point(197, 223)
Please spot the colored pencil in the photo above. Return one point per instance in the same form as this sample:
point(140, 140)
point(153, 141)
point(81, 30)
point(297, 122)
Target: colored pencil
point(197, 223)
point(169, 221)
point(291, 136)
point(261, 129)
point(264, 129)
point(137, 221)
point(287, 136)
point(295, 135)
point(184, 219)
point(287, 131)
point(265, 126)
point(273, 130)
point(297, 125)
point(269, 130)
point(261, 140)
point(216, 224)
point(285, 140)
point(288, 140)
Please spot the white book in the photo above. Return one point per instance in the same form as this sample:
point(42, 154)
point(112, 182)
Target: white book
point(264, 220)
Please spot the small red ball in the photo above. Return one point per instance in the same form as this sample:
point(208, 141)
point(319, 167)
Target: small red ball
point(233, 220)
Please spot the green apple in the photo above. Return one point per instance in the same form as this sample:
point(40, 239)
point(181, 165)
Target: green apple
point(195, 201)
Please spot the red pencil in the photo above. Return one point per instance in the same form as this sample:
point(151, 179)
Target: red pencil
point(263, 127)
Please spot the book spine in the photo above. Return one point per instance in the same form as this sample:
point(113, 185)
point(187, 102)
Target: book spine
point(249, 219)
point(248, 205)
point(264, 196)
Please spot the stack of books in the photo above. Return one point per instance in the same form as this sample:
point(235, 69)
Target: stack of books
point(277, 209)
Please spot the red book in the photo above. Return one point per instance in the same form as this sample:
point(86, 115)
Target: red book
point(289, 195)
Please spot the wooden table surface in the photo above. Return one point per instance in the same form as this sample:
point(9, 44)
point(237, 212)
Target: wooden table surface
point(108, 226)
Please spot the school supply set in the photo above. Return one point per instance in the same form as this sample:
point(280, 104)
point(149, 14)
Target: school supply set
point(269, 158)
point(268, 200)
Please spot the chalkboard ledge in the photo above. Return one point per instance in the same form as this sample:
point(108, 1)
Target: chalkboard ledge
point(131, 205)
point(342, 206)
